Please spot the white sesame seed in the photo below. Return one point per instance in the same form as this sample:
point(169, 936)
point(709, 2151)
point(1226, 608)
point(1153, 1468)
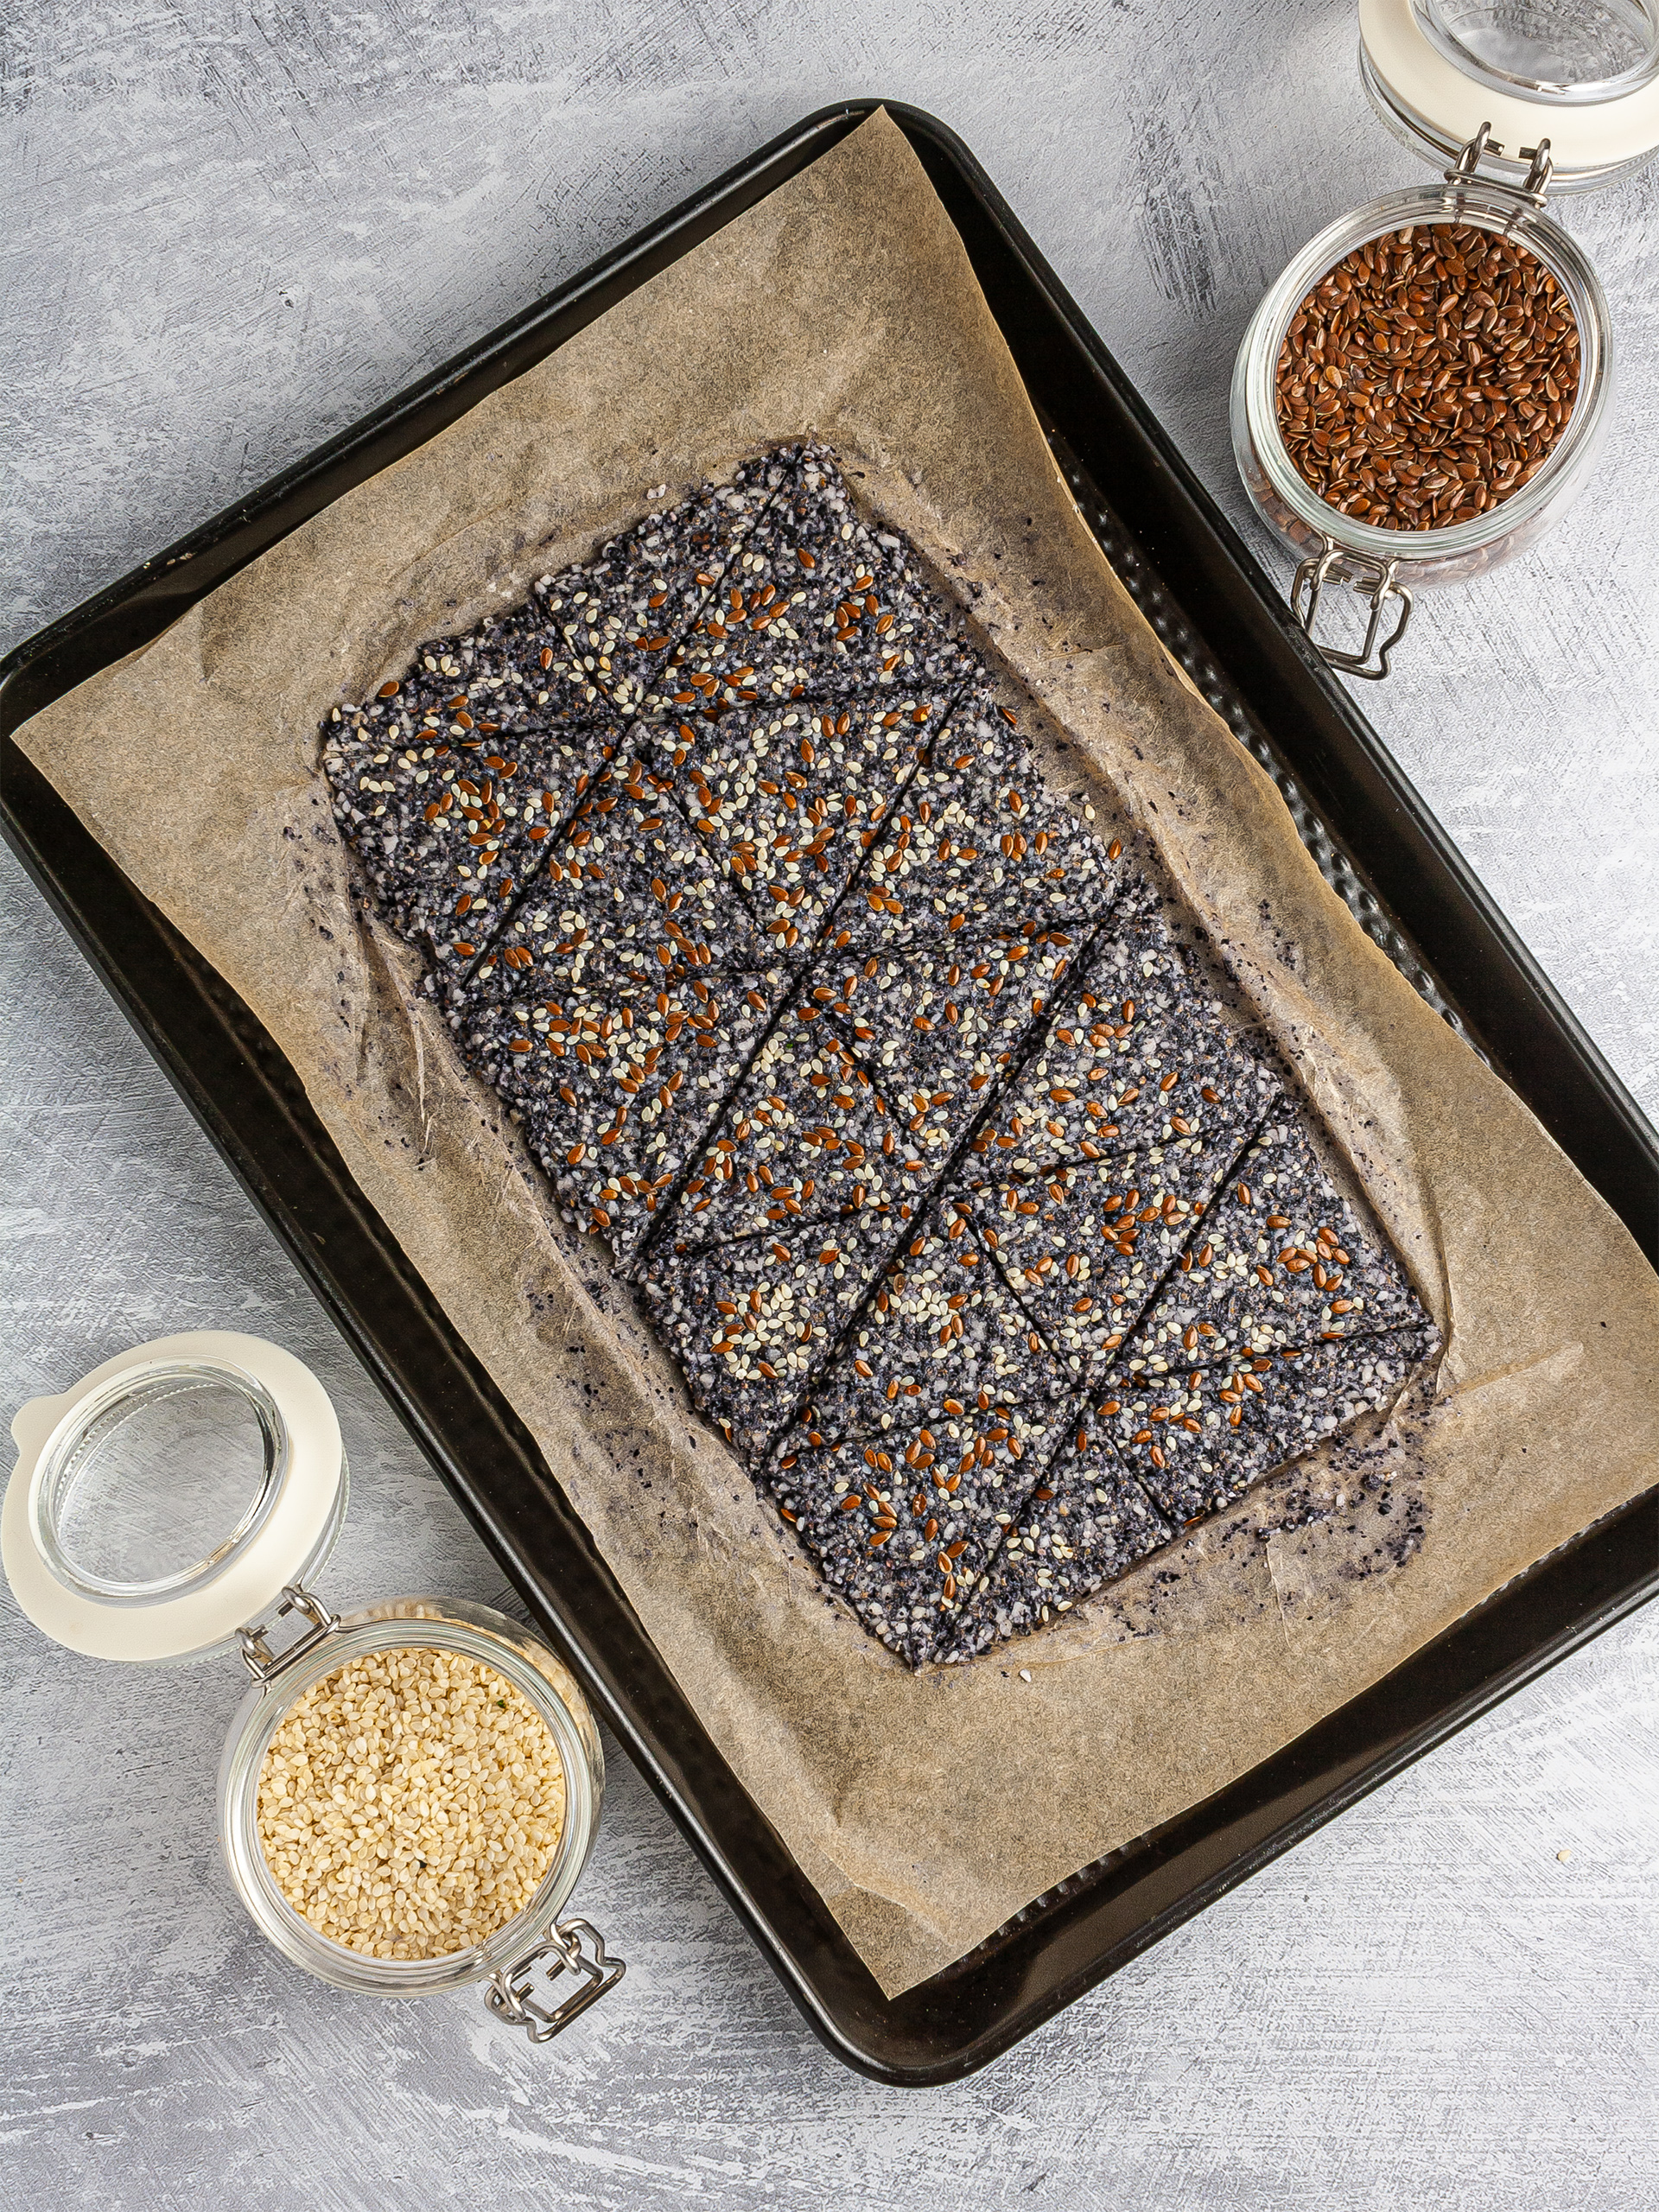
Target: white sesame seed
point(410, 1804)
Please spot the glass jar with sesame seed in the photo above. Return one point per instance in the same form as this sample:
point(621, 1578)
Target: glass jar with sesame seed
point(1424, 389)
point(475, 1741)
point(408, 1794)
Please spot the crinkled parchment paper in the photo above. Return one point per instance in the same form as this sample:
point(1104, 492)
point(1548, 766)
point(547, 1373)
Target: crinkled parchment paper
point(925, 1808)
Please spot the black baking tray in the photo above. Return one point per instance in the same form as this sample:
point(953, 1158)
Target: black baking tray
point(1369, 829)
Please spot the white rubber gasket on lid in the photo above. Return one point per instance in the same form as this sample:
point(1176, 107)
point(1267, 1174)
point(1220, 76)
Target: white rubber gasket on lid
point(202, 1607)
point(1598, 135)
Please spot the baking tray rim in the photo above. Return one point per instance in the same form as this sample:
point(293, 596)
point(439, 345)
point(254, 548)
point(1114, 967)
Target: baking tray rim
point(1016, 2017)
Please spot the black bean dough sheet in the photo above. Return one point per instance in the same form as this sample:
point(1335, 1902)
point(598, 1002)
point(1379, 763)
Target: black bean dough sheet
point(1284, 1259)
point(815, 603)
point(940, 1323)
point(880, 1068)
point(617, 1086)
point(604, 630)
point(625, 895)
point(976, 842)
point(1085, 1248)
point(905, 1524)
point(788, 801)
point(952, 1013)
point(447, 823)
point(1138, 1055)
point(477, 687)
point(806, 1127)
point(1084, 1522)
point(749, 1320)
point(1196, 1441)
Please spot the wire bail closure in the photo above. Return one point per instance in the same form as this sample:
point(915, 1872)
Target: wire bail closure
point(1534, 187)
point(265, 1664)
point(1374, 582)
point(507, 1993)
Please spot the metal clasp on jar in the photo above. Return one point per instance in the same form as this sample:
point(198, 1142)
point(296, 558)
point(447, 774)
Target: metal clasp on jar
point(1374, 582)
point(1534, 188)
point(508, 1991)
point(265, 1664)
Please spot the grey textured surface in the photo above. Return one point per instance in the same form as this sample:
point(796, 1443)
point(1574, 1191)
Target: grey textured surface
point(227, 232)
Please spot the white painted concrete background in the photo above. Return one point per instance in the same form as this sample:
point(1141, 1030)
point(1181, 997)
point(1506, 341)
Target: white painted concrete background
point(226, 232)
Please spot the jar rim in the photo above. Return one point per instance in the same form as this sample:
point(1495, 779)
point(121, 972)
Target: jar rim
point(412, 1623)
point(1487, 207)
point(123, 1396)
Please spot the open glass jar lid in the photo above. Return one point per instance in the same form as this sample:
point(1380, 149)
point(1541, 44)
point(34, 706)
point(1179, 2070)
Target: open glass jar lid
point(408, 1794)
point(1583, 73)
point(1424, 389)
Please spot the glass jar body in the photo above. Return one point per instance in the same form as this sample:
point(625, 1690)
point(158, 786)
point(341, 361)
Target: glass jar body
point(1307, 524)
point(477, 1632)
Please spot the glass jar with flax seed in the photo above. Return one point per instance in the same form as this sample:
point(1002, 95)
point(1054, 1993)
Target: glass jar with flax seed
point(1425, 388)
